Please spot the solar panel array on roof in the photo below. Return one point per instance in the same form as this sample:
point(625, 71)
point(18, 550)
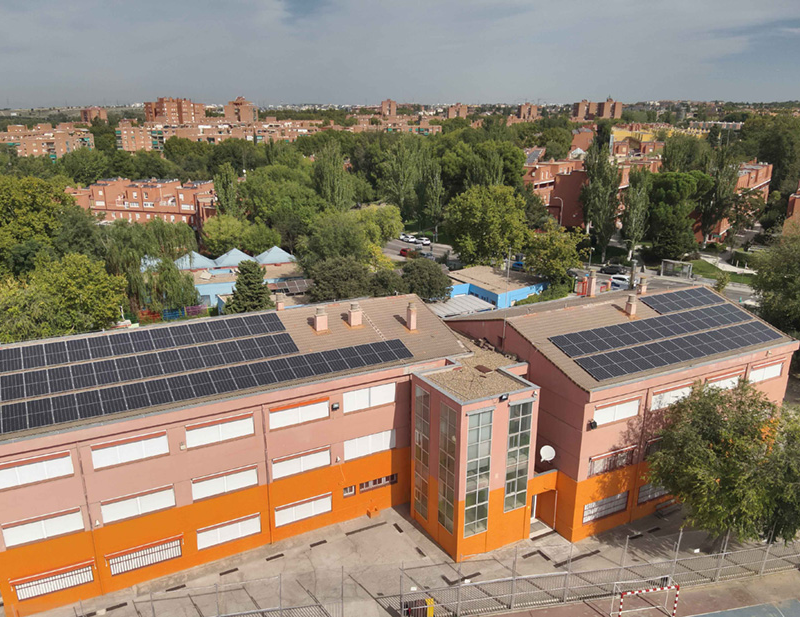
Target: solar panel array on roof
point(22, 415)
point(136, 341)
point(142, 366)
point(681, 300)
point(673, 351)
point(647, 330)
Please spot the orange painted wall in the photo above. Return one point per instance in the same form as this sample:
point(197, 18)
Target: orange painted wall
point(40, 557)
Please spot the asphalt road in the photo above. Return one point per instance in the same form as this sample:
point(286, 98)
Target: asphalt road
point(392, 249)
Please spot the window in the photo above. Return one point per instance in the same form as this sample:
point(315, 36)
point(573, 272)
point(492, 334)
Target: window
point(368, 397)
point(315, 506)
point(447, 466)
point(654, 445)
point(29, 471)
point(45, 527)
point(143, 556)
point(611, 461)
point(134, 449)
point(57, 580)
point(763, 373)
point(648, 492)
point(297, 414)
point(229, 428)
point(620, 411)
point(662, 400)
point(226, 483)
point(227, 532)
point(137, 505)
point(725, 383)
point(385, 481)
point(369, 444)
point(479, 447)
point(298, 464)
point(605, 507)
point(422, 432)
point(349, 491)
point(519, 442)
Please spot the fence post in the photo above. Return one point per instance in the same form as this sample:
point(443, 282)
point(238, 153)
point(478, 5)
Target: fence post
point(766, 554)
point(622, 558)
point(402, 611)
point(152, 606)
point(280, 594)
point(342, 605)
point(458, 592)
point(216, 594)
point(722, 557)
point(675, 559)
point(566, 578)
point(513, 578)
point(80, 603)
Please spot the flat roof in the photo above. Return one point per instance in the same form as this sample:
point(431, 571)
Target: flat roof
point(496, 280)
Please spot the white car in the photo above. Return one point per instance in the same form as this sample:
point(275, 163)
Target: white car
point(424, 241)
point(411, 239)
point(404, 237)
point(621, 281)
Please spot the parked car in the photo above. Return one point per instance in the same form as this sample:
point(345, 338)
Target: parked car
point(518, 266)
point(613, 269)
point(404, 237)
point(411, 239)
point(424, 241)
point(428, 255)
point(409, 253)
point(622, 281)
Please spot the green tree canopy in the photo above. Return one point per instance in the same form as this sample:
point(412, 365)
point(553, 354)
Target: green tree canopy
point(777, 282)
point(339, 278)
point(637, 208)
point(387, 282)
point(425, 278)
point(673, 198)
point(226, 186)
point(600, 197)
point(250, 292)
point(552, 251)
point(169, 288)
point(335, 234)
point(331, 179)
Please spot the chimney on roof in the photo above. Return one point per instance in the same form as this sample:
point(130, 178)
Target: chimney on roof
point(280, 301)
point(354, 315)
point(411, 317)
point(630, 306)
point(642, 289)
point(320, 320)
point(591, 284)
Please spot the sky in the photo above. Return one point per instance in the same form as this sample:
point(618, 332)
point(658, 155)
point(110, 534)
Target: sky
point(105, 52)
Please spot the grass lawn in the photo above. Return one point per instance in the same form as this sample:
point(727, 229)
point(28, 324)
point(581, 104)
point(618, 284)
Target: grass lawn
point(710, 271)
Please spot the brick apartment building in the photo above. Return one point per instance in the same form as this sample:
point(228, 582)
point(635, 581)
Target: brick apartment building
point(792, 222)
point(44, 140)
point(525, 113)
point(89, 114)
point(139, 201)
point(389, 108)
point(134, 455)
point(456, 111)
point(606, 110)
point(241, 110)
point(174, 111)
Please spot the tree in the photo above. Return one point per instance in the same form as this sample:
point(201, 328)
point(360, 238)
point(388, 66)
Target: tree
point(683, 153)
point(783, 479)
point(250, 292)
point(399, 176)
point(637, 209)
point(430, 194)
point(673, 198)
point(331, 180)
point(222, 233)
point(600, 197)
point(85, 166)
point(536, 212)
point(425, 278)
point(169, 288)
point(226, 188)
point(716, 204)
point(486, 223)
point(553, 251)
point(380, 223)
point(747, 207)
point(387, 282)
point(257, 238)
point(339, 278)
point(777, 282)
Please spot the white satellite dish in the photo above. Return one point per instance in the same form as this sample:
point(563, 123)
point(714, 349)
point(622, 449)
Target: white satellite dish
point(547, 453)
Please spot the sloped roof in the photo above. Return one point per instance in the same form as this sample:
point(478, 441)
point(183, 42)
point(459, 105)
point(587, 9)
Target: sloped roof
point(231, 259)
point(275, 255)
point(194, 261)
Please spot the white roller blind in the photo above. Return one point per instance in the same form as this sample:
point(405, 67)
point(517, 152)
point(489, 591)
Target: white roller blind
point(665, 399)
point(42, 529)
point(227, 532)
point(728, 383)
point(369, 444)
point(221, 431)
point(136, 506)
point(224, 484)
point(368, 397)
point(766, 372)
point(620, 411)
point(21, 473)
point(299, 464)
point(128, 452)
point(299, 511)
point(298, 415)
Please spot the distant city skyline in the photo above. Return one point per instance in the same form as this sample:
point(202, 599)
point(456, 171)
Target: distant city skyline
point(351, 52)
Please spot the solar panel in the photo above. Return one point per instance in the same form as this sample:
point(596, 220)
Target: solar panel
point(121, 344)
point(32, 356)
point(36, 383)
point(55, 353)
point(182, 335)
point(99, 347)
point(59, 378)
point(16, 416)
point(612, 364)
point(10, 359)
point(681, 300)
point(142, 341)
point(635, 332)
point(83, 376)
point(78, 350)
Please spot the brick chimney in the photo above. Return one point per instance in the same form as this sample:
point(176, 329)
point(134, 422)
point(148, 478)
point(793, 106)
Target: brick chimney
point(630, 306)
point(280, 301)
point(642, 286)
point(320, 320)
point(411, 317)
point(591, 284)
point(354, 315)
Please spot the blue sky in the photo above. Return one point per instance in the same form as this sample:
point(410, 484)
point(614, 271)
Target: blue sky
point(353, 51)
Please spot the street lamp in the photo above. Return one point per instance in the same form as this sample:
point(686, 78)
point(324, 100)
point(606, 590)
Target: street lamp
point(591, 250)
